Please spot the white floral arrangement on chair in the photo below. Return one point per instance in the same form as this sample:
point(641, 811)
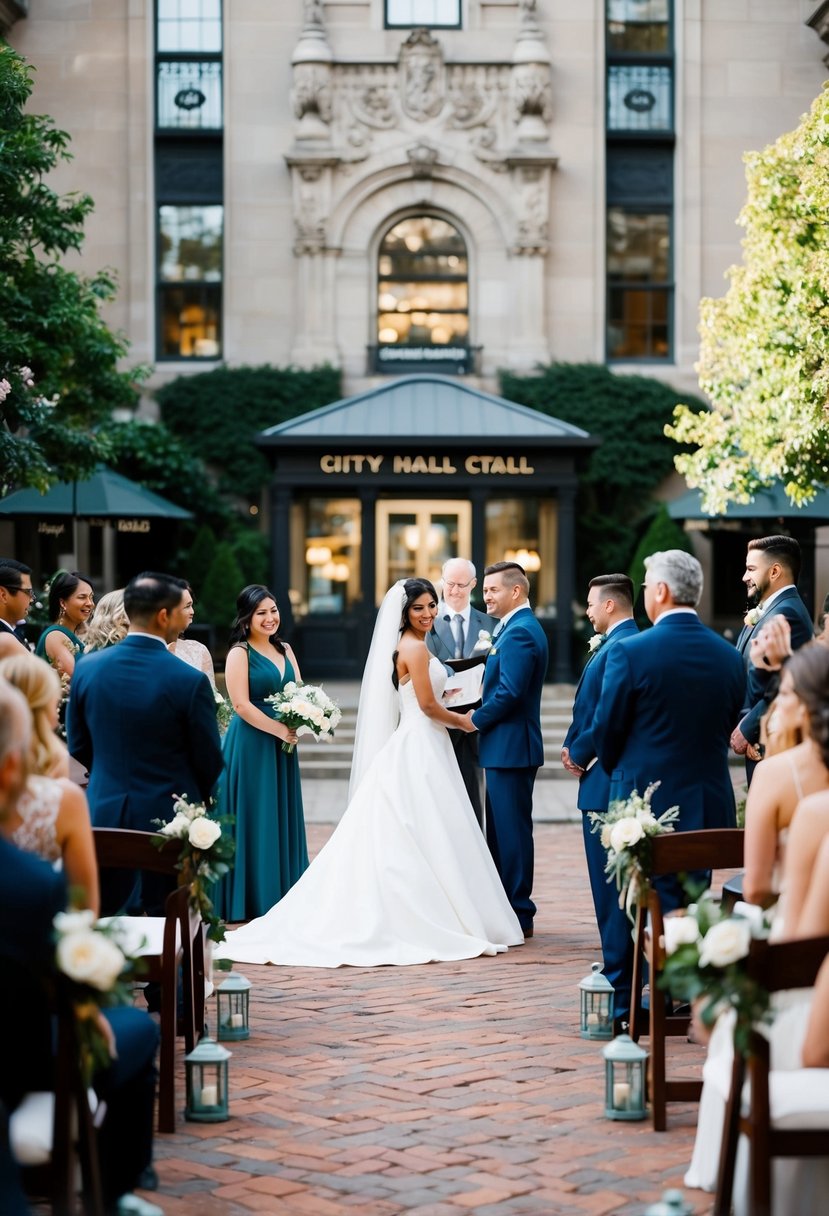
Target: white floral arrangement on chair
point(306, 709)
point(627, 828)
point(206, 856)
point(98, 974)
point(705, 962)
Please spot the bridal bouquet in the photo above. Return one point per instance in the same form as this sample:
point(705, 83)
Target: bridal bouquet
point(306, 709)
point(97, 971)
point(705, 961)
point(206, 856)
point(626, 830)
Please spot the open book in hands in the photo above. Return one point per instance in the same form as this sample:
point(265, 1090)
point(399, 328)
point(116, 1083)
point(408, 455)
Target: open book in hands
point(462, 690)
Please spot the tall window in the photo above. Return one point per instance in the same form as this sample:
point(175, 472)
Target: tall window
point(640, 139)
point(406, 14)
point(189, 178)
point(422, 293)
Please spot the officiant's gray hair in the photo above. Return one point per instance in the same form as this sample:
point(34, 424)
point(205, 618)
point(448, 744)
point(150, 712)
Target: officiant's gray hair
point(680, 572)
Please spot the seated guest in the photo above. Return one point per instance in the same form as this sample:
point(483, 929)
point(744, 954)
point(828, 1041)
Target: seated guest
point(109, 623)
point(70, 606)
point(16, 597)
point(51, 817)
point(31, 894)
point(785, 778)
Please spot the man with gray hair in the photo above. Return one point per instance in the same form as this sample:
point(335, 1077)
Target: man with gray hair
point(667, 707)
point(457, 634)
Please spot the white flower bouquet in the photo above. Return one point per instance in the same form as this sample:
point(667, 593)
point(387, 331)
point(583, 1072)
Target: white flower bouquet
point(306, 709)
point(705, 961)
point(224, 711)
point(206, 855)
point(97, 973)
point(627, 828)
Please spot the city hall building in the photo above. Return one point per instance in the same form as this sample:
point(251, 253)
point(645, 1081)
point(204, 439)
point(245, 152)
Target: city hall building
point(404, 188)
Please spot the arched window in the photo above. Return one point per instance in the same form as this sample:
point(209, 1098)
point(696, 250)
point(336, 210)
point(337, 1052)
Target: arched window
point(422, 292)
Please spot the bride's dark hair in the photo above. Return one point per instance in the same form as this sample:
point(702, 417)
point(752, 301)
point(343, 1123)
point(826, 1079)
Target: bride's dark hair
point(809, 671)
point(413, 588)
point(247, 601)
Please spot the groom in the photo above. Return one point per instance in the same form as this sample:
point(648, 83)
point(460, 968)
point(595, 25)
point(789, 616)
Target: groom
point(509, 721)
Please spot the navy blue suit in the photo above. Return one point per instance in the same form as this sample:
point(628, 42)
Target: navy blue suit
point(441, 643)
point(594, 795)
point(512, 750)
point(31, 893)
point(761, 684)
point(144, 723)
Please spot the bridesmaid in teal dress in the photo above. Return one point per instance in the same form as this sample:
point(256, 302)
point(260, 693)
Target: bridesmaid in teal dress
point(260, 786)
point(71, 601)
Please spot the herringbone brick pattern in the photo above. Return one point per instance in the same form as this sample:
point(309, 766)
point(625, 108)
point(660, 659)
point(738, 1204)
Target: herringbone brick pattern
point(432, 1091)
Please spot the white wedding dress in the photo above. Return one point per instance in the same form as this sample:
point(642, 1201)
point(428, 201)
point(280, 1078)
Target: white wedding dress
point(406, 876)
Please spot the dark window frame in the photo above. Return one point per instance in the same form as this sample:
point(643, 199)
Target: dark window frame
point(420, 25)
point(165, 287)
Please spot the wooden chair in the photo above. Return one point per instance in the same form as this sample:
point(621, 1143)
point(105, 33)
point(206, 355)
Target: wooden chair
point(172, 943)
point(781, 1113)
point(52, 1133)
point(672, 853)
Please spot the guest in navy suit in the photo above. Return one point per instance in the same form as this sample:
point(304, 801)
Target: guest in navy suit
point(610, 612)
point(667, 706)
point(772, 571)
point(455, 635)
point(509, 721)
point(31, 894)
point(144, 723)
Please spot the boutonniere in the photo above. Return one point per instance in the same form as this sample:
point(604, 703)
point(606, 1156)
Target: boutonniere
point(595, 642)
point(484, 640)
point(752, 617)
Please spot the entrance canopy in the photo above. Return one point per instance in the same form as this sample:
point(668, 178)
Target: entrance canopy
point(769, 503)
point(105, 495)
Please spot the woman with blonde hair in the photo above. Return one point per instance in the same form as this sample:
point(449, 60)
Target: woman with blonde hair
point(109, 624)
point(51, 818)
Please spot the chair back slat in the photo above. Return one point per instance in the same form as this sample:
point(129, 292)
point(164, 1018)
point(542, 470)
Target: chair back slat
point(707, 849)
point(791, 964)
point(125, 849)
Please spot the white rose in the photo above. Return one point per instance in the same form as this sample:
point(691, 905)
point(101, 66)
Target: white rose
point(177, 827)
point(203, 833)
point(648, 821)
point(680, 931)
point(626, 832)
point(73, 922)
point(90, 958)
point(302, 729)
point(725, 943)
point(290, 687)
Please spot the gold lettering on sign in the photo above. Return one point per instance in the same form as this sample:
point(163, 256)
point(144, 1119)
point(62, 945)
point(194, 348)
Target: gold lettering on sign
point(352, 463)
point(494, 465)
point(133, 525)
point(51, 529)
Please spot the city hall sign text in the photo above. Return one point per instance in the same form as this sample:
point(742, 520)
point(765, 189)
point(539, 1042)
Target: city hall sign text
point(492, 465)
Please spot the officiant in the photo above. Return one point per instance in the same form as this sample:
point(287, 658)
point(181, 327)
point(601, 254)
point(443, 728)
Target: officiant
point(461, 632)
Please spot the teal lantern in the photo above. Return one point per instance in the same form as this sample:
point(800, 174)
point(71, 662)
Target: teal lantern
point(206, 1081)
point(233, 1007)
point(672, 1203)
point(625, 1070)
point(596, 1002)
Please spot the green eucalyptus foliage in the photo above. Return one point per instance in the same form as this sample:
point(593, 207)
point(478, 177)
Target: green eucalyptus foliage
point(628, 414)
point(218, 414)
point(764, 353)
point(50, 319)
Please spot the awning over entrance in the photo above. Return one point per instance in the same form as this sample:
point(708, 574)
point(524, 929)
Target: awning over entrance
point(770, 503)
point(105, 495)
point(392, 482)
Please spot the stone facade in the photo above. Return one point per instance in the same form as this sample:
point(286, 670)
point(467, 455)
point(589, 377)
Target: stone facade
point(334, 127)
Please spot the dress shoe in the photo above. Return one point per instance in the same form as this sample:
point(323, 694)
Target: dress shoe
point(528, 931)
point(621, 1025)
point(148, 1179)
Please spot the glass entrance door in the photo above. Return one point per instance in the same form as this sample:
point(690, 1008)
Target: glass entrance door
point(415, 537)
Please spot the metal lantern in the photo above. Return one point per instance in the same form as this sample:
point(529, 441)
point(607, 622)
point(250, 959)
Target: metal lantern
point(596, 999)
point(672, 1203)
point(625, 1070)
point(233, 1007)
point(206, 1080)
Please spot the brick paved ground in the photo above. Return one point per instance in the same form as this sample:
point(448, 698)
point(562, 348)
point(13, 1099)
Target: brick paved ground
point(433, 1091)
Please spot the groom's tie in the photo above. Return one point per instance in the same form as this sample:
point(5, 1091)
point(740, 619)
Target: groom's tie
point(457, 630)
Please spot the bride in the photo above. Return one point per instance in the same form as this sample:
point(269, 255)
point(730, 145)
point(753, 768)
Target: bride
point(406, 877)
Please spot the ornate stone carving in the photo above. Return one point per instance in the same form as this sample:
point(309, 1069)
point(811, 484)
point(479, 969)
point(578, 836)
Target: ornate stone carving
point(531, 183)
point(423, 158)
point(311, 93)
point(532, 94)
point(310, 210)
point(422, 76)
point(375, 106)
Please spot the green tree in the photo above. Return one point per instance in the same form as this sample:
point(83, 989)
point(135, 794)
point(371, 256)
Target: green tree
point(628, 414)
point(764, 354)
point(218, 414)
point(50, 320)
point(200, 558)
point(662, 533)
point(223, 583)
